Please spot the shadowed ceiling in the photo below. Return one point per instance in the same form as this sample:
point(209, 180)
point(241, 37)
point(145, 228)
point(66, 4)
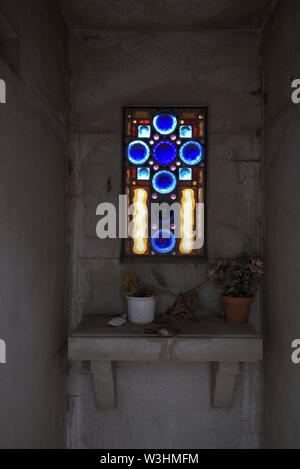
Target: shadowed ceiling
point(183, 15)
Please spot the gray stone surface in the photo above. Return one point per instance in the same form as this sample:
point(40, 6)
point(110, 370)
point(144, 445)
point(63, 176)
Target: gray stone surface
point(33, 319)
point(160, 404)
point(169, 14)
point(111, 69)
point(282, 227)
point(208, 326)
point(167, 405)
point(210, 339)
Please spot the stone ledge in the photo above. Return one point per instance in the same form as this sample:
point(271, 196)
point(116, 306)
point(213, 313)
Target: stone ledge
point(209, 340)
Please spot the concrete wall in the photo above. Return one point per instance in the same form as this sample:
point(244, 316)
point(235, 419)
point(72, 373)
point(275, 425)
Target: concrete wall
point(164, 405)
point(33, 136)
point(282, 227)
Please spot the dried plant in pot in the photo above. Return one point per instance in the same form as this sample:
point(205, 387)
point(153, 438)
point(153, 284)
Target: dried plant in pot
point(141, 300)
point(239, 278)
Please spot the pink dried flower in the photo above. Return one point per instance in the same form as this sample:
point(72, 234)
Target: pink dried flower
point(257, 265)
point(211, 272)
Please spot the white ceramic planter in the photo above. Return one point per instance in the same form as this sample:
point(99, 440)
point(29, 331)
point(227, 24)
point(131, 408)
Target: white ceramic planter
point(141, 310)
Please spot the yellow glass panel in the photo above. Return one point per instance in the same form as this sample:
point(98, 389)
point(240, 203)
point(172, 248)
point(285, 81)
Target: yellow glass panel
point(140, 221)
point(200, 220)
point(128, 218)
point(201, 129)
point(188, 204)
point(201, 177)
point(142, 114)
point(201, 196)
point(188, 115)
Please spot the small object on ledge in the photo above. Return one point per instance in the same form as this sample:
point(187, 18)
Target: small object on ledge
point(162, 331)
point(141, 310)
point(167, 332)
point(117, 321)
point(141, 300)
point(177, 321)
point(185, 306)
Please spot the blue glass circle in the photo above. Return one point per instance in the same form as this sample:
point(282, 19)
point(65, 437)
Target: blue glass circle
point(165, 152)
point(138, 152)
point(163, 241)
point(191, 153)
point(165, 123)
point(164, 182)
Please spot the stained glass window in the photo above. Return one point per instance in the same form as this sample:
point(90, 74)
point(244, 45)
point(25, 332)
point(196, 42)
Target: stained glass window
point(164, 179)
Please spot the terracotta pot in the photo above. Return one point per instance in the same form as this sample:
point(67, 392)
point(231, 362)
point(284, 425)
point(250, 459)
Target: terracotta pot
point(236, 309)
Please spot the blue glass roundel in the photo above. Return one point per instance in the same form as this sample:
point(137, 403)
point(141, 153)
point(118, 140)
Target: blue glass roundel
point(138, 152)
point(191, 153)
point(165, 152)
point(163, 241)
point(164, 182)
point(165, 123)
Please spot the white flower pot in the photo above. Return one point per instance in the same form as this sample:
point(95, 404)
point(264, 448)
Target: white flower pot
point(141, 310)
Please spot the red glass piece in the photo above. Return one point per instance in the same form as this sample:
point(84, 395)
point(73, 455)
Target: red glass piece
point(134, 173)
point(134, 131)
point(144, 122)
point(195, 132)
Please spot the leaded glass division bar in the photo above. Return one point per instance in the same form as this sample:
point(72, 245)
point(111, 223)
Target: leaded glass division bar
point(164, 160)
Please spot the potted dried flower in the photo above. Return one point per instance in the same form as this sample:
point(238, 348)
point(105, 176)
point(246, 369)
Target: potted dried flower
point(141, 300)
point(239, 278)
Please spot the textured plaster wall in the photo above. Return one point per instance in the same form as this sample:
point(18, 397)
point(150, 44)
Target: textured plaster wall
point(33, 136)
point(164, 405)
point(282, 227)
